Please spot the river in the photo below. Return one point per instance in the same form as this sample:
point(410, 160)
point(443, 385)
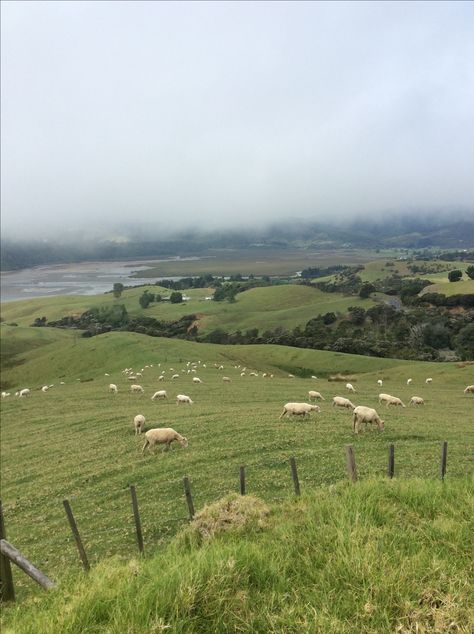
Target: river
point(83, 278)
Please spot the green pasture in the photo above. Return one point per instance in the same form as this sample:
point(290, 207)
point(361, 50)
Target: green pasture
point(76, 441)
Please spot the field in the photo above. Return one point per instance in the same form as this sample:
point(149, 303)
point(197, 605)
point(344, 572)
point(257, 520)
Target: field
point(76, 441)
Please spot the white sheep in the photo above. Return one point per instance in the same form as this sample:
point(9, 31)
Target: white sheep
point(139, 423)
point(196, 379)
point(106, 374)
point(291, 376)
point(136, 389)
point(469, 389)
point(390, 400)
point(163, 436)
point(182, 398)
point(113, 388)
point(160, 394)
point(350, 387)
point(24, 392)
point(428, 381)
point(242, 374)
point(5, 394)
point(299, 409)
point(366, 415)
point(253, 374)
point(409, 381)
point(161, 377)
point(416, 400)
point(314, 377)
point(131, 377)
point(226, 379)
point(313, 396)
point(175, 376)
point(380, 382)
point(45, 388)
point(340, 401)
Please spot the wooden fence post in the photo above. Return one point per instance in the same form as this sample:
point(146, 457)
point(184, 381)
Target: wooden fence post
point(242, 480)
point(7, 589)
point(351, 463)
point(15, 555)
point(189, 497)
point(444, 455)
point(136, 516)
point(391, 461)
point(77, 537)
point(294, 474)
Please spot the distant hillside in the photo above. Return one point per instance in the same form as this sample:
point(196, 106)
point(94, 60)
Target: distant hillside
point(403, 231)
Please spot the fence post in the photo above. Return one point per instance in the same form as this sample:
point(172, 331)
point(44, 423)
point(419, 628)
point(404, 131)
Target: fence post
point(351, 463)
point(444, 455)
point(242, 480)
point(391, 461)
point(136, 516)
point(15, 555)
point(189, 497)
point(7, 589)
point(77, 537)
point(294, 474)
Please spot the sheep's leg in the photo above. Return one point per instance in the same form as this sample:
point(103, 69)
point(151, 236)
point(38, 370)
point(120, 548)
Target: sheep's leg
point(282, 414)
point(147, 442)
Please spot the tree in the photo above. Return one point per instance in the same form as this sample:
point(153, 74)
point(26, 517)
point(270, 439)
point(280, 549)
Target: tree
point(454, 276)
point(464, 342)
point(329, 318)
point(146, 299)
point(176, 297)
point(118, 289)
point(366, 289)
point(470, 272)
point(356, 315)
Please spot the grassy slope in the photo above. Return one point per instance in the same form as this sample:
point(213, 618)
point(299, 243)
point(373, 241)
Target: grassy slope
point(287, 306)
point(76, 441)
point(338, 560)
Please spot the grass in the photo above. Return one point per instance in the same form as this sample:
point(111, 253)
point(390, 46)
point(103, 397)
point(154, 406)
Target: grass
point(338, 560)
point(76, 441)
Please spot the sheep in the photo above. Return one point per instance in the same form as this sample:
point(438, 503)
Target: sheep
point(161, 377)
point(106, 374)
point(350, 387)
point(299, 409)
point(380, 382)
point(24, 392)
point(291, 376)
point(45, 388)
point(182, 398)
point(390, 400)
point(139, 423)
point(416, 400)
point(113, 388)
point(226, 379)
point(340, 401)
point(175, 376)
point(163, 436)
point(469, 389)
point(366, 415)
point(136, 389)
point(253, 374)
point(428, 381)
point(313, 396)
point(5, 394)
point(242, 374)
point(131, 377)
point(196, 379)
point(314, 377)
point(409, 381)
point(160, 394)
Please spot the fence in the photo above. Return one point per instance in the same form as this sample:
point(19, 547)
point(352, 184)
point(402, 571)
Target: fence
point(9, 553)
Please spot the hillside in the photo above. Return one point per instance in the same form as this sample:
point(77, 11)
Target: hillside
point(338, 560)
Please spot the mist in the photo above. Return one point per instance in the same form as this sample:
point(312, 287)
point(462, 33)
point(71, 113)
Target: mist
point(216, 115)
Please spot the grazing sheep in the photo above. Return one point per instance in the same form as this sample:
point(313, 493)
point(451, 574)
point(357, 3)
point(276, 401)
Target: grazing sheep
point(45, 388)
point(340, 401)
point(62, 383)
point(366, 415)
point(428, 381)
point(106, 374)
point(131, 377)
point(5, 394)
point(416, 400)
point(469, 389)
point(313, 396)
point(159, 394)
point(113, 388)
point(24, 392)
point(409, 381)
point(390, 400)
point(314, 377)
point(226, 379)
point(175, 376)
point(380, 382)
point(242, 374)
point(182, 398)
point(163, 436)
point(196, 379)
point(299, 409)
point(136, 389)
point(161, 377)
point(139, 423)
point(350, 387)
point(291, 376)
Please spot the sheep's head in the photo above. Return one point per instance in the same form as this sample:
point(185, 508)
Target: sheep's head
point(315, 408)
point(382, 425)
point(183, 441)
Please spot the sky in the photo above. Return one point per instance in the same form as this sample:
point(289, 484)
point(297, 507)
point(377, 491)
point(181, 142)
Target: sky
point(230, 114)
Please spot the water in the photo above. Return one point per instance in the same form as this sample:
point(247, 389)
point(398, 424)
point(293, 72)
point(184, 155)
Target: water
point(84, 278)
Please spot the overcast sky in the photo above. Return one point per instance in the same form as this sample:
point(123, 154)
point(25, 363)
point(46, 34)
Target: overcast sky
point(223, 113)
